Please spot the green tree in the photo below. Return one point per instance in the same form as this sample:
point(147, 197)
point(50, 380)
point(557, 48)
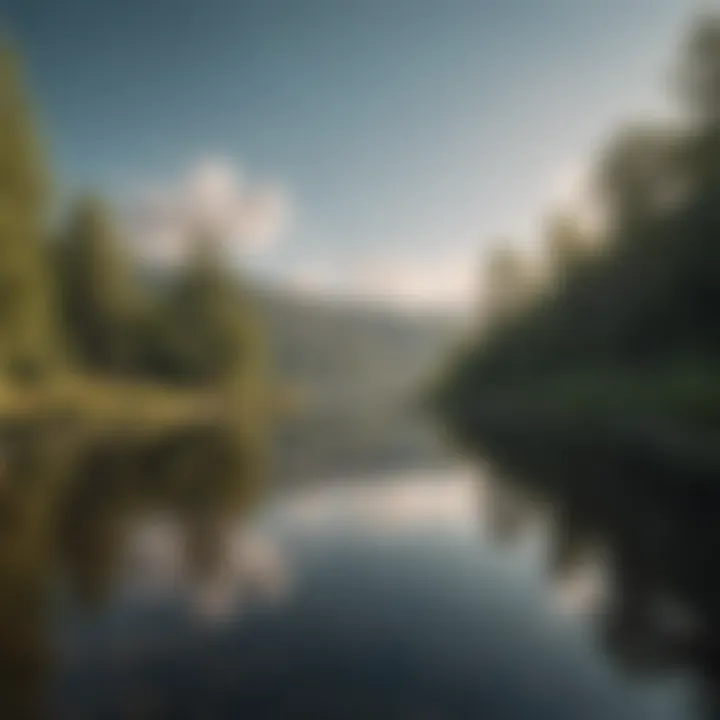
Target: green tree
point(100, 298)
point(26, 328)
point(209, 331)
point(645, 301)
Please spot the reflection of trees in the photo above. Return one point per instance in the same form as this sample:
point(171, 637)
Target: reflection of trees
point(656, 526)
point(31, 479)
point(504, 510)
point(65, 510)
point(198, 476)
point(569, 541)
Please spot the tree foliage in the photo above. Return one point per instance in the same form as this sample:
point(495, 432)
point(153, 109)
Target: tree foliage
point(648, 297)
point(205, 331)
point(192, 326)
point(85, 298)
point(26, 331)
point(99, 294)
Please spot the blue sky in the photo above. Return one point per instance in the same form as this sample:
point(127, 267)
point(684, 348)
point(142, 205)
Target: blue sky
point(397, 136)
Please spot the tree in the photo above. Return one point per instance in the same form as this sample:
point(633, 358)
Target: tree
point(26, 328)
point(100, 300)
point(643, 176)
point(699, 72)
point(567, 245)
point(505, 283)
point(647, 299)
point(209, 331)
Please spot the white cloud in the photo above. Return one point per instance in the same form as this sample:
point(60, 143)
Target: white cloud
point(211, 197)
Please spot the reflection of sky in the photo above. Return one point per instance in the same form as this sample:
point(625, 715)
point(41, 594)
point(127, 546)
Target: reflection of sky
point(441, 624)
point(255, 565)
point(395, 503)
point(458, 503)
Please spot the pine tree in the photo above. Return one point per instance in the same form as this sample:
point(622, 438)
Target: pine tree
point(26, 333)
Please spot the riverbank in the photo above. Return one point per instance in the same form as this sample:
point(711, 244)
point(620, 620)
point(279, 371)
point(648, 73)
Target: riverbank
point(111, 404)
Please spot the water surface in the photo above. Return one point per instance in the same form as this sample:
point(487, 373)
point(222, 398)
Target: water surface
point(386, 596)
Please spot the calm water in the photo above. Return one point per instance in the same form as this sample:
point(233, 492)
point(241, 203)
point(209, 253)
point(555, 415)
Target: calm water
point(388, 596)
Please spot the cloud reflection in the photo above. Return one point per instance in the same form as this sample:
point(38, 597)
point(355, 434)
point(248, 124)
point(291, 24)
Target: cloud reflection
point(394, 503)
point(251, 570)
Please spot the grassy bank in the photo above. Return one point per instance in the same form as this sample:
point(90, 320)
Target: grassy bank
point(108, 405)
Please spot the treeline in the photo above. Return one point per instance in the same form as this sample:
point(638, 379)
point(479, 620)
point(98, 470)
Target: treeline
point(73, 298)
point(630, 308)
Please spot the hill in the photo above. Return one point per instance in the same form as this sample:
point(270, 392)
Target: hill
point(358, 367)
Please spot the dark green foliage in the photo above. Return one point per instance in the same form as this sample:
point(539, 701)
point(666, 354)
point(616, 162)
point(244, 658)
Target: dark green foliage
point(195, 329)
point(98, 292)
point(645, 301)
point(204, 332)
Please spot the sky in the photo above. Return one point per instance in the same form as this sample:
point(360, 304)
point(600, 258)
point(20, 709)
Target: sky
point(362, 147)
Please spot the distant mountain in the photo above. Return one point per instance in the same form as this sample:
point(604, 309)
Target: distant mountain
point(359, 366)
point(355, 354)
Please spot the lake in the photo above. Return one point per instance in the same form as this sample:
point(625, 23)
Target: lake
point(395, 595)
